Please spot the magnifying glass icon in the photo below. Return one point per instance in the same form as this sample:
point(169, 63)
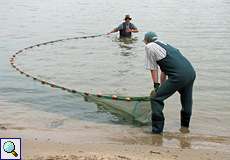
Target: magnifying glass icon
point(9, 147)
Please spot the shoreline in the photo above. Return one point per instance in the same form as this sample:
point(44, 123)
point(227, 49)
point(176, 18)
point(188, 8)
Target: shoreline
point(50, 136)
point(47, 145)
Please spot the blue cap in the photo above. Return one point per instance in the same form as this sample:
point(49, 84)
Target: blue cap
point(150, 36)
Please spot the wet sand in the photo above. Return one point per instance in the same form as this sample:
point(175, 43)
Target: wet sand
point(55, 144)
point(52, 136)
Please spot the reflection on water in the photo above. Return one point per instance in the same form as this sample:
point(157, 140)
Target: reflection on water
point(165, 139)
point(126, 44)
point(178, 140)
point(126, 40)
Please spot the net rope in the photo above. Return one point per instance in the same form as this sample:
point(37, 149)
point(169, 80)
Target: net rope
point(135, 108)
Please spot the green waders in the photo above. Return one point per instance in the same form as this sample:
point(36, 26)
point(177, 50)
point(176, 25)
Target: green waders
point(181, 76)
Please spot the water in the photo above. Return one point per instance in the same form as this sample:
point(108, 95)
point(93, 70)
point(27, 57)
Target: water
point(201, 30)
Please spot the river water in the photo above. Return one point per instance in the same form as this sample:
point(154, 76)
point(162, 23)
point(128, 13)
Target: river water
point(200, 29)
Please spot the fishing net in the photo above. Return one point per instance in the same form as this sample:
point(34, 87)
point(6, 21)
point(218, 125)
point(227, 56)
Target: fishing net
point(135, 109)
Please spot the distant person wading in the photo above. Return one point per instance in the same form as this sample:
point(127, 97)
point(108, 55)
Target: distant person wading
point(126, 28)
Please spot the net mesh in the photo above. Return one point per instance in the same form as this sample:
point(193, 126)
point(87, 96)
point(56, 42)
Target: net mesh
point(134, 111)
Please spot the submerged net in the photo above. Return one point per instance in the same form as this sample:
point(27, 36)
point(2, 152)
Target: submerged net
point(132, 109)
point(136, 111)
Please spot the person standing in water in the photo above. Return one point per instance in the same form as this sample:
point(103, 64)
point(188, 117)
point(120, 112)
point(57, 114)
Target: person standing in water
point(181, 76)
point(126, 28)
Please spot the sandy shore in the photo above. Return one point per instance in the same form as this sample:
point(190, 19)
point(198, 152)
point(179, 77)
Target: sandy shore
point(47, 136)
point(74, 145)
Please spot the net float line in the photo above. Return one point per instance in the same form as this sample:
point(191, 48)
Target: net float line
point(53, 85)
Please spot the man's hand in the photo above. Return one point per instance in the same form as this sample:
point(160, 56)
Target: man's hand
point(154, 91)
point(113, 31)
point(131, 30)
point(128, 30)
point(156, 86)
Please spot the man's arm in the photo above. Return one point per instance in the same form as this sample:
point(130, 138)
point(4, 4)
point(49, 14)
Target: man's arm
point(113, 31)
point(151, 64)
point(133, 28)
point(116, 29)
point(154, 74)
